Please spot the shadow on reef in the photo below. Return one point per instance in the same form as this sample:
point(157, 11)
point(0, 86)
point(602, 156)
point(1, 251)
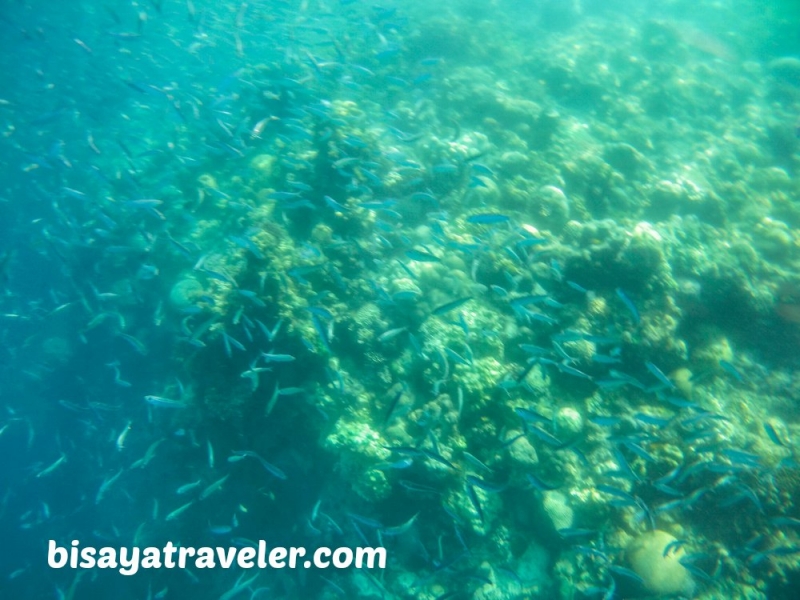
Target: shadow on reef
point(785, 589)
point(772, 330)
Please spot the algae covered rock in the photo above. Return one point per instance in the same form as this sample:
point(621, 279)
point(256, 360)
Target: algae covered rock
point(185, 293)
point(557, 507)
point(663, 575)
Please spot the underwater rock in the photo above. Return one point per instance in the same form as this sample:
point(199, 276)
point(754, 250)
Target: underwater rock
point(625, 158)
point(533, 565)
point(715, 349)
point(682, 378)
point(360, 448)
point(263, 164)
point(556, 506)
point(552, 206)
point(522, 452)
point(185, 293)
point(786, 69)
point(661, 574)
point(667, 197)
point(367, 324)
point(538, 381)
point(569, 422)
point(787, 304)
point(774, 240)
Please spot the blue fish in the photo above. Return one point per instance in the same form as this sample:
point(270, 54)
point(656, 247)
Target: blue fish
point(773, 434)
point(640, 452)
point(571, 532)
point(629, 305)
point(577, 287)
point(282, 196)
point(566, 369)
point(741, 457)
point(538, 484)
point(474, 461)
point(320, 312)
point(531, 416)
point(450, 306)
point(444, 169)
point(534, 350)
point(728, 367)
point(605, 360)
point(424, 197)
point(421, 256)
point(659, 374)
point(482, 169)
point(672, 547)
point(438, 458)
point(456, 357)
point(473, 498)
point(488, 219)
point(625, 572)
point(323, 337)
point(530, 241)
point(651, 419)
point(622, 495)
point(403, 463)
point(484, 485)
point(333, 204)
point(547, 438)
point(785, 522)
point(605, 421)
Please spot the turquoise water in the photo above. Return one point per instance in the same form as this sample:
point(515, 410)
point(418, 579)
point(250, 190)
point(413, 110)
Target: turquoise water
point(509, 289)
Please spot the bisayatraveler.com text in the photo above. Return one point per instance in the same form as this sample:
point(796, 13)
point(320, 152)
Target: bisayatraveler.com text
point(128, 560)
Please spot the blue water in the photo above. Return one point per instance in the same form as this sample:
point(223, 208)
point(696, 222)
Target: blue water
point(502, 287)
